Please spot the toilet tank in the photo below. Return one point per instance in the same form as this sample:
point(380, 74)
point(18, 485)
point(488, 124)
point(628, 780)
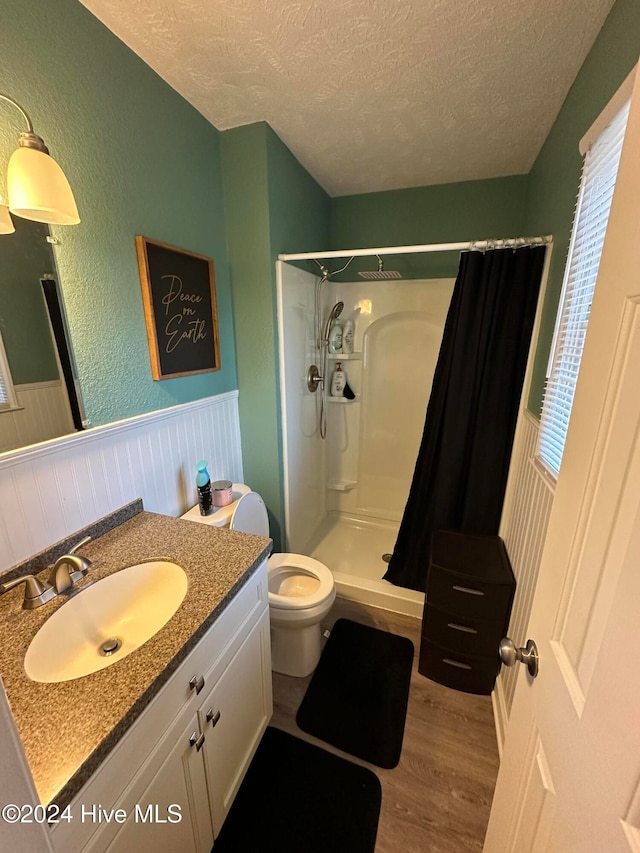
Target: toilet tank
point(221, 516)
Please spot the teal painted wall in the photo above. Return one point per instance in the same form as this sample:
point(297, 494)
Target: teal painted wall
point(299, 218)
point(555, 177)
point(272, 205)
point(141, 161)
point(25, 257)
point(446, 213)
point(247, 210)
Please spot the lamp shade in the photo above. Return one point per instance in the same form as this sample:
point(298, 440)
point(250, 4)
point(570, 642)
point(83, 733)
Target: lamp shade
point(38, 189)
point(6, 223)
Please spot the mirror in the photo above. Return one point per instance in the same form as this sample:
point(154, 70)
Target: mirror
point(46, 402)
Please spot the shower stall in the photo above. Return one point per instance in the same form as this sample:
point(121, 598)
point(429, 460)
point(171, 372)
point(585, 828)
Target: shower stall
point(345, 494)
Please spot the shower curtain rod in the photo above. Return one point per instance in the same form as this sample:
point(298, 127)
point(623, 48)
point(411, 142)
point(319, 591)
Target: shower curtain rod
point(514, 242)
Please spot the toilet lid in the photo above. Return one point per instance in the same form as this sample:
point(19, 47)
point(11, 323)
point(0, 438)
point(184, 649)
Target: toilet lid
point(250, 515)
point(290, 564)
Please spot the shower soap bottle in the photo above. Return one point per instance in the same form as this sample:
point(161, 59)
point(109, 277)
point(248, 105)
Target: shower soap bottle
point(338, 381)
point(335, 337)
point(203, 482)
point(347, 337)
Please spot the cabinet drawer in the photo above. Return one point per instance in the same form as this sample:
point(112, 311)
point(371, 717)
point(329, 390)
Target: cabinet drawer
point(467, 596)
point(468, 673)
point(464, 634)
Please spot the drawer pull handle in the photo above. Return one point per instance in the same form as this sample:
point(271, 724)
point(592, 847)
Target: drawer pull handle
point(456, 663)
point(465, 628)
point(213, 717)
point(468, 590)
point(196, 741)
point(196, 683)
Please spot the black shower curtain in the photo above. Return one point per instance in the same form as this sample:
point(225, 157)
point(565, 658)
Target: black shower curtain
point(461, 470)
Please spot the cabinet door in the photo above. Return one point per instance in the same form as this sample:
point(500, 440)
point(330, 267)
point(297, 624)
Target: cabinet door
point(233, 718)
point(170, 785)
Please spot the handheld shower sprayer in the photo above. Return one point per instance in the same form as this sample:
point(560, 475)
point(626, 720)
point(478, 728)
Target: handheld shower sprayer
point(336, 311)
point(314, 377)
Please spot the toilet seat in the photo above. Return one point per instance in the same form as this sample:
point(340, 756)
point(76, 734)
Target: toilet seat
point(299, 564)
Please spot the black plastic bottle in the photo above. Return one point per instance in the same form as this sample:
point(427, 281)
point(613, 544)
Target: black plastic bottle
point(203, 482)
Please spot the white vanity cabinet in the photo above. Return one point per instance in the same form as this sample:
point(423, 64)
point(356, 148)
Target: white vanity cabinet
point(232, 719)
point(176, 771)
point(170, 785)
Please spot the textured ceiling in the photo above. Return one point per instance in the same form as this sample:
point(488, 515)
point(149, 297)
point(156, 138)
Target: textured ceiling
point(373, 94)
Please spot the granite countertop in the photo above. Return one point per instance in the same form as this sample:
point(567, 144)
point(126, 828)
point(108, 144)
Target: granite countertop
point(68, 728)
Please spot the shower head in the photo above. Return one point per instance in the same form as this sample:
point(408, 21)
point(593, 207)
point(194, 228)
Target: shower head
point(380, 274)
point(336, 311)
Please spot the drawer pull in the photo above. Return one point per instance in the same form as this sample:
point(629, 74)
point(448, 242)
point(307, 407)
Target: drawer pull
point(465, 628)
point(213, 717)
point(196, 683)
point(468, 590)
point(456, 663)
point(196, 741)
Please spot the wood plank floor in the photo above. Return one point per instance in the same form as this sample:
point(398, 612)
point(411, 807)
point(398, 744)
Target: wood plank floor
point(437, 800)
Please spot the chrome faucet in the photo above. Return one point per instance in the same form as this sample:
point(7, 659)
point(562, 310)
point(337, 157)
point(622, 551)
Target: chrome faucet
point(69, 568)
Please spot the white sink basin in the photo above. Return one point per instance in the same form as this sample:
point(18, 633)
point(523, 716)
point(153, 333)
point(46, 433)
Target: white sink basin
point(106, 622)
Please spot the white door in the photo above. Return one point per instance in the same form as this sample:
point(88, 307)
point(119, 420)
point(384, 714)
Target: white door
point(569, 780)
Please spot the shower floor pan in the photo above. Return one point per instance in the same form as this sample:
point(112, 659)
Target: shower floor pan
point(353, 549)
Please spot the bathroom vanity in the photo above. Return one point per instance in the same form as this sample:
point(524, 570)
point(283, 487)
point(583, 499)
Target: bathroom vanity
point(148, 754)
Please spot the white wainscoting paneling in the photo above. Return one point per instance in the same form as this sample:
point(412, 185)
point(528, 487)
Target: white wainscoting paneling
point(44, 413)
point(524, 527)
point(49, 491)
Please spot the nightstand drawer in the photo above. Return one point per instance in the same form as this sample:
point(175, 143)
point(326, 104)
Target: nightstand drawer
point(468, 673)
point(464, 634)
point(467, 596)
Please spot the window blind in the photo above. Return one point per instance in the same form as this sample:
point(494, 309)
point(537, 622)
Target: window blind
point(4, 396)
point(589, 226)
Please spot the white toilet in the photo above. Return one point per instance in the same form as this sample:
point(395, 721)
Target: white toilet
point(301, 590)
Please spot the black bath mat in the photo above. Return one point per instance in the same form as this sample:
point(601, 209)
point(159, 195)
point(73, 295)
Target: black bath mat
point(297, 797)
point(357, 698)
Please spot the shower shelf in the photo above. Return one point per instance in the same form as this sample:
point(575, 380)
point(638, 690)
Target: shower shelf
point(331, 399)
point(343, 356)
point(341, 485)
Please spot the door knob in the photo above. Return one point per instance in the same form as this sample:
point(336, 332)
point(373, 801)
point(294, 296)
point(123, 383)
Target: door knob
point(510, 654)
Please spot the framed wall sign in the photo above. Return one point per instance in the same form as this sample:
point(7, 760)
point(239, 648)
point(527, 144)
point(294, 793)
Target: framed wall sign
point(179, 298)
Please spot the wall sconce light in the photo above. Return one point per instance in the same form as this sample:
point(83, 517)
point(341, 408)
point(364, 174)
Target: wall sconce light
point(36, 185)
